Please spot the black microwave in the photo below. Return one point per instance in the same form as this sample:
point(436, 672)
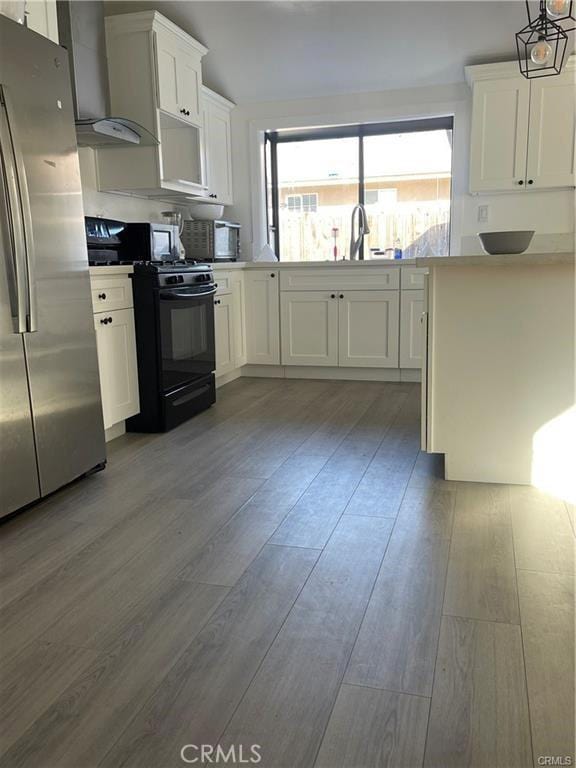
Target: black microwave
point(142, 241)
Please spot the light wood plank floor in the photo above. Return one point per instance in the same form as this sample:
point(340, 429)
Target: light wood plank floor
point(288, 570)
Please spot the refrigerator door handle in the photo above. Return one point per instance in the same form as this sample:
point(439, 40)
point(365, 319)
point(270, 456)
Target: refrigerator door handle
point(20, 218)
point(16, 271)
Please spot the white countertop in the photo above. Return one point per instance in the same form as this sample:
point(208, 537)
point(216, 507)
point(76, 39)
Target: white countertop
point(499, 260)
point(117, 269)
point(316, 264)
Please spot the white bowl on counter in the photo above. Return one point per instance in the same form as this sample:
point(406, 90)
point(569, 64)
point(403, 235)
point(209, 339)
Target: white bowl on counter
point(208, 211)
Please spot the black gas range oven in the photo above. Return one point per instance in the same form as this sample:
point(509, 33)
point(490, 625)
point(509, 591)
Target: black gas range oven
point(174, 318)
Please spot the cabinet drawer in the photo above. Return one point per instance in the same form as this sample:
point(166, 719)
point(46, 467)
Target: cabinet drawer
point(413, 278)
point(358, 277)
point(223, 282)
point(110, 293)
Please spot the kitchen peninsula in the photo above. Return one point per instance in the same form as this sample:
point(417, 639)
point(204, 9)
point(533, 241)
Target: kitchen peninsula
point(498, 376)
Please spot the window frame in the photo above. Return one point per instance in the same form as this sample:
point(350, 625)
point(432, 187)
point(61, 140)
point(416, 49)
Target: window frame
point(359, 131)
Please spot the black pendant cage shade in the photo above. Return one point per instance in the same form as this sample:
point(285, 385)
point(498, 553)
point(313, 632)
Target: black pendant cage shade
point(545, 30)
point(567, 22)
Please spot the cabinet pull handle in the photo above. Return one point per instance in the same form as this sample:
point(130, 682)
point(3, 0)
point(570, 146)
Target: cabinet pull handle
point(109, 319)
point(530, 181)
point(104, 321)
point(520, 182)
point(272, 274)
point(101, 295)
point(332, 295)
point(341, 295)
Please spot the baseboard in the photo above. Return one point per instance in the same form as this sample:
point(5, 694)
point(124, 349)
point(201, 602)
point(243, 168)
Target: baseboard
point(324, 372)
point(116, 430)
point(410, 374)
point(226, 378)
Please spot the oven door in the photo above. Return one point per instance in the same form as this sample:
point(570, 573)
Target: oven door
point(187, 345)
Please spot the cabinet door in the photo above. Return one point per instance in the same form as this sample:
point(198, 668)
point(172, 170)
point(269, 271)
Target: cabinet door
point(499, 137)
point(42, 18)
point(116, 342)
point(218, 151)
point(179, 78)
point(552, 132)
point(167, 65)
point(189, 81)
point(239, 319)
point(224, 333)
point(368, 329)
point(411, 308)
point(262, 317)
point(309, 323)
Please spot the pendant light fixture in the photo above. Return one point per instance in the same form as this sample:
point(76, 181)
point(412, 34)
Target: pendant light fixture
point(561, 12)
point(541, 44)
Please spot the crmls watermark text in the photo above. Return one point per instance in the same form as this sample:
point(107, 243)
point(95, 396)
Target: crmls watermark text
point(208, 753)
point(554, 760)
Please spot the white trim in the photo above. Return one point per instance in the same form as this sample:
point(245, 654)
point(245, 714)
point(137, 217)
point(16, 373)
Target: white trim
point(460, 161)
point(116, 430)
point(331, 373)
point(145, 21)
point(476, 72)
point(216, 97)
point(226, 378)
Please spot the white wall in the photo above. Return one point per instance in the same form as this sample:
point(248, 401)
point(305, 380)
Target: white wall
point(551, 214)
point(111, 206)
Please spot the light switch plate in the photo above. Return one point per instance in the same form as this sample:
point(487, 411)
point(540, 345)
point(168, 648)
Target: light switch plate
point(482, 214)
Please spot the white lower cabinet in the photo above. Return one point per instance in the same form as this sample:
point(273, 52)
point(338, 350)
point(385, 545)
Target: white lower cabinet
point(368, 329)
point(309, 323)
point(116, 343)
point(357, 329)
point(224, 333)
point(262, 317)
point(411, 334)
point(239, 319)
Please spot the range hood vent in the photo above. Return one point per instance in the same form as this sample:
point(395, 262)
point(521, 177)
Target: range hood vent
point(112, 131)
point(81, 32)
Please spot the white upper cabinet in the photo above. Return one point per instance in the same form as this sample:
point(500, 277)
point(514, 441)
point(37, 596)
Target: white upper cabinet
point(499, 134)
point(551, 137)
point(41, 17)
point(218, 143)
point(179, 77)
point(155, 80)
point(523, 131)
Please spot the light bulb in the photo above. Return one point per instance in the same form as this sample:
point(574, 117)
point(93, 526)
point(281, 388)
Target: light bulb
point(541, 52)
point(557, 8)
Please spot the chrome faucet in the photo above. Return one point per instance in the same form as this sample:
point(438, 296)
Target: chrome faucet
point(363, 229)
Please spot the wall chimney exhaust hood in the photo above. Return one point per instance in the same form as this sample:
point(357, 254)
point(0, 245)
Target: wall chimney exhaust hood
point(81, 31)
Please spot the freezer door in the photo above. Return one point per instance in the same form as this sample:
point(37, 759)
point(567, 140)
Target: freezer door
point(60, 343)
point(18, 470)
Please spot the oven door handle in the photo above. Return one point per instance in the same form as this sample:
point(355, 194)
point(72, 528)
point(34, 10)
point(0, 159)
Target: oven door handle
point(174, 295)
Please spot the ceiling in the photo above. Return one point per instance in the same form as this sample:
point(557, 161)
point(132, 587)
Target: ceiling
point(261, 51)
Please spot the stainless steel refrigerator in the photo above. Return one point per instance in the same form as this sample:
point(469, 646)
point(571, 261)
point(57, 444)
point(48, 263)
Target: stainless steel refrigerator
point(51, 428)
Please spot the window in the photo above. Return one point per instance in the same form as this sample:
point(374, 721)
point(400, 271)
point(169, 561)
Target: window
point(380, 196)
point(400, 171)
point(306, 203)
